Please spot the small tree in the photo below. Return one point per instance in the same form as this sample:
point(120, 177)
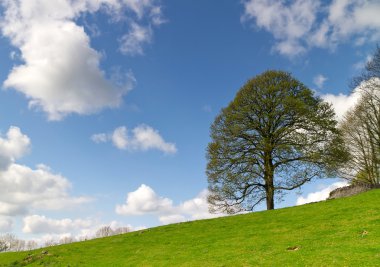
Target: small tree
point(121, 230)
point(67, 240)
point(3, 246)
point(10, 241)
point(361, 127)
point(31, 244)
point(104, 231)
point(273, 137)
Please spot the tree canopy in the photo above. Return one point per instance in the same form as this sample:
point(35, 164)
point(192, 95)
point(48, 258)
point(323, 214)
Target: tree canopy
point(361, 127)
point(273, 137)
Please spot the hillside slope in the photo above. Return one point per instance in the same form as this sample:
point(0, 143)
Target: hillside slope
point(341, 232)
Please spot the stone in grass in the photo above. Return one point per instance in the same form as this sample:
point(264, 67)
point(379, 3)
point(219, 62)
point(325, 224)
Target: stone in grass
point(294, 248)
point(364, 233)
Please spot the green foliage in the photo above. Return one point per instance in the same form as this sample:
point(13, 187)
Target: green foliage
point(274, 136)
point(341, 232)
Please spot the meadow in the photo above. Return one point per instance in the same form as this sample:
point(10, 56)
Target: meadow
point(340, 232)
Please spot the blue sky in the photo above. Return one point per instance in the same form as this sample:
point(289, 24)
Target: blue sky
point(106, 105)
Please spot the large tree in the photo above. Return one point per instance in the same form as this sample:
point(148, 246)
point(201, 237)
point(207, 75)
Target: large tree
point(273, 137)
point(361, 127)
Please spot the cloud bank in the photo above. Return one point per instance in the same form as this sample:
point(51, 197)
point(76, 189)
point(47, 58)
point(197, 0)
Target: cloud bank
point(24, 189)
point(300, 25)
point(40, 224)
point(145, 201)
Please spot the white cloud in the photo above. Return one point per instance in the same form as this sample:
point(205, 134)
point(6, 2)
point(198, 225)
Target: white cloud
point(13, 55)
point(5, 224)
point(288, 24)
point(341, 102)
point(141, 7)
point(24, 189)
point(37, 224)
point(174, 218)
point(61, 72)
point(156, 16)
point(12, 147)
point(53, 231)
point(99, 138)
point(319, 80)
point(344, 102)
point(320, 195)
point(119, 137)
point(302, 24)
point(145, 201)
point(197, 208)
point(132, 42)
point(143, 138)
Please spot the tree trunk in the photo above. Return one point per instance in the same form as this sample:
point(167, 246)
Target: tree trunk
point(269, 187)
point(270, 196)
point(268, 177)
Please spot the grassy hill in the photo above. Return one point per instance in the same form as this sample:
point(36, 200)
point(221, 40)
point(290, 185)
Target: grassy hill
point(342, 232)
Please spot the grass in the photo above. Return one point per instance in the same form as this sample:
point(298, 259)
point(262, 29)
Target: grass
point(341, 232)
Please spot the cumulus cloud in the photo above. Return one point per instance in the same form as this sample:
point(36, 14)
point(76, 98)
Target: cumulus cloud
point(197, 208)
point(145, 201)
point(61, 72)
point(341, 102)
point(37, 224)
point(143, 138)
point(12, 147)
point(119, 137)
point(319, 80)
point(174, 218)
point(344, 102)
point(321, 194)
point(24, 189)
point(5, 224)
point(302, 24)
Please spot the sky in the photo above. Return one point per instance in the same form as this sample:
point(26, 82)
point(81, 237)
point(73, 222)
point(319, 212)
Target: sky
point(106, 105)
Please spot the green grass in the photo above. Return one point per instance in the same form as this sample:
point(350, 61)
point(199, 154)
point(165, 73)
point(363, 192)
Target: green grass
point(342, 232)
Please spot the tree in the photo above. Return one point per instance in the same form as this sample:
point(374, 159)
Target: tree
point(11, 243)
point(361, 127)
point(31, 244)
point(67, 240)
point(273, 137)
point(3, 246)
point(121, 230)
point(104, 232)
